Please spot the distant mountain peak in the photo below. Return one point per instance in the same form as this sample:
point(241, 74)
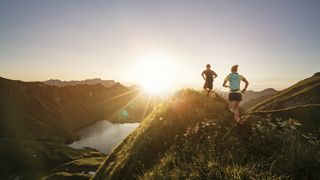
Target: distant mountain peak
point(252, 95)
point(118, 85)
point(93, 81)
point(317, 74)
point(269, 90)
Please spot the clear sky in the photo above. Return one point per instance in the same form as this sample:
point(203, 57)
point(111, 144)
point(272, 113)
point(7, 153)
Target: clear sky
point(275, 42)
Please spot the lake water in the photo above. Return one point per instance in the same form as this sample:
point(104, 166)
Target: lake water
point(103, 135)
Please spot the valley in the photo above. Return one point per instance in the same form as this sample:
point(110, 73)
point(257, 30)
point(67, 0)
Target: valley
point(53, 132)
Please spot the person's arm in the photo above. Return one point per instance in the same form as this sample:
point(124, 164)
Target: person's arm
point(215, 75)
point(225, 82)
point(246, 85)
point(202, 74)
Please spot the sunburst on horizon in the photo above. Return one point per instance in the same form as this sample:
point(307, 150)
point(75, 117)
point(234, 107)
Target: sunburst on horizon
point(156, 74)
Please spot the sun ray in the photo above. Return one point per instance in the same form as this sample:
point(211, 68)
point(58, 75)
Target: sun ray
point(133, 99)
point(122, 94)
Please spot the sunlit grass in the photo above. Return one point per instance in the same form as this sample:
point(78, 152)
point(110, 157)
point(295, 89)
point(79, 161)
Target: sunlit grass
point(192, 136)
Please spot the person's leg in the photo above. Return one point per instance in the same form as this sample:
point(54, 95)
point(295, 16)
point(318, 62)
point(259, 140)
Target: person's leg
point(239, 99)
point(208, 93)
point(236, 110)
point(205, 90)
point(231, 106)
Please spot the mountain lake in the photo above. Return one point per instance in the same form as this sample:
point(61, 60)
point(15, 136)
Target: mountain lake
point(103, 135)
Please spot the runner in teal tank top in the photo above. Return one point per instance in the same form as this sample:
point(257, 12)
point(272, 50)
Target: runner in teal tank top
point(235, 93)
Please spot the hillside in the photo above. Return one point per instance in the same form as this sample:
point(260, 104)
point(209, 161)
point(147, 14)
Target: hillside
point(57, 82)
point(37, 121)
point(254, 95)
point(252, 98)
point(300, 101)
point(253, 102)
point(302, 93)
point(308, 115)
point(194, 137)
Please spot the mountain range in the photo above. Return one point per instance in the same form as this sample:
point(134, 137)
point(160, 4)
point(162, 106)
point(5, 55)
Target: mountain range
point(37, 121)
point(188, 136)
point(57, 82)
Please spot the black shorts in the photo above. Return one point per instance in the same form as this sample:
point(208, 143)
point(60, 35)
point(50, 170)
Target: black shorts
point(235, 97)
point(208, 85)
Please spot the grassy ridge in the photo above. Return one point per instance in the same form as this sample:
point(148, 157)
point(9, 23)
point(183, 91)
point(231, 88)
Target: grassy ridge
point(247, 106)
point(154, 137)
point(193, 137)
point(302, 93)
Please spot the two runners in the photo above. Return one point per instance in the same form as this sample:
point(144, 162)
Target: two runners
point(235, 93)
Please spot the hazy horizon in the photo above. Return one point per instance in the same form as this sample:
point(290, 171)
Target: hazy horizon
point(275, 43)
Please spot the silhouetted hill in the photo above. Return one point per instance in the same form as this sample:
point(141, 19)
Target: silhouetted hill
point(57, 82)
point(37, 120)
point(192, 136)
point(250, 95)
point(305, 92)
point(251, 98)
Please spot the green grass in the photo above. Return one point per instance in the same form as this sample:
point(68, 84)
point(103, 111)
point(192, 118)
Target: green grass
point(301, 93)
point(193, 137)
point(79, 168)
point(308, 115)
point(264, 149)
point(68, 176)
point(32, 159)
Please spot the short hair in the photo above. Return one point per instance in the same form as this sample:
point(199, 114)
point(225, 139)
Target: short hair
point(208, 65)
point(234, 68)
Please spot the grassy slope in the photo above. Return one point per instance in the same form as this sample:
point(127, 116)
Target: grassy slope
point(36, 120)
point(300, 101)
point(249, 95)
point(302, 93)
point(253, 102)
point(193, 137)
point(307, 114)
point(82, 168)
point(158, 132)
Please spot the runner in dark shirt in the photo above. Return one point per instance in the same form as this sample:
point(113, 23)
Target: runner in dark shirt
point(208, 75)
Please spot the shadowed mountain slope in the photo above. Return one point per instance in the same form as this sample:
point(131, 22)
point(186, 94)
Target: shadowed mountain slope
point(302, 93)
point(57, 82)
point(250, 95)
point(251, 98)
point(38, 120)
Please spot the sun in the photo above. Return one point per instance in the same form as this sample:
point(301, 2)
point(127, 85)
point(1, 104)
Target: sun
point(155, 73)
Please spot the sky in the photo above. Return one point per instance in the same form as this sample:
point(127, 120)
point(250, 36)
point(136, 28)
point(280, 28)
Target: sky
point(276, 42)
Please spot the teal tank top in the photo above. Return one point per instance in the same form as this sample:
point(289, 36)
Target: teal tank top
point(234, 81)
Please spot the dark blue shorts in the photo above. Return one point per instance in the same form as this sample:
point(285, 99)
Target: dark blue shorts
point(235, 97)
